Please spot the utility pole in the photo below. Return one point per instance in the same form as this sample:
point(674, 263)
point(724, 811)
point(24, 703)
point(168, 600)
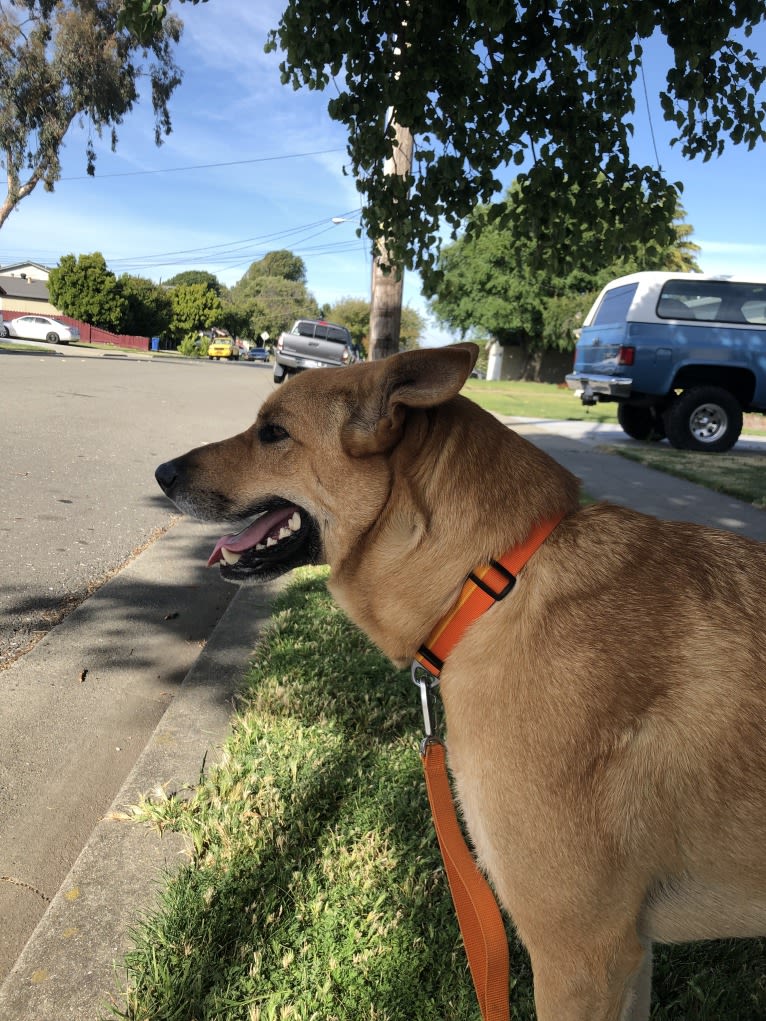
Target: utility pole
point(386, 296)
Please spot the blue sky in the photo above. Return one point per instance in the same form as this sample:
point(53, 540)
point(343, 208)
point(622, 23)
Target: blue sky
point(252, 166)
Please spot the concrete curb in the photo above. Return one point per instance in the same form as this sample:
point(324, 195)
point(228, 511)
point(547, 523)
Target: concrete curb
point(67, 970)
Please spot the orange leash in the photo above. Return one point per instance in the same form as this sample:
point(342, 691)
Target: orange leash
point(481, 924)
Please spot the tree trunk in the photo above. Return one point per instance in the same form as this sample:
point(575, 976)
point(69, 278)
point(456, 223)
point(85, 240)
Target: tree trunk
point(386, 296)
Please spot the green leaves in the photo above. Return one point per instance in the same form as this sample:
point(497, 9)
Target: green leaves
point(545, 87)
point(83, 287)
point(530, 279)
point(273, 294)
point(62, 61)
point(195, 307)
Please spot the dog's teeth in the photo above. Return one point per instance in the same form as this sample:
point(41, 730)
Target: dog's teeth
point(261, 546)
point(271, 542)
point(228, 556)
point(295, 522)
point(284, 533)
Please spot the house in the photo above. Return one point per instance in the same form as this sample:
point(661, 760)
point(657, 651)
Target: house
point(24, 288)
point(512, 360)
point(24, 291)
point(29, 270)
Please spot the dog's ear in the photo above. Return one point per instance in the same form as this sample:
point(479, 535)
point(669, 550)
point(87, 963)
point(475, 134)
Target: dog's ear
point(412, 379)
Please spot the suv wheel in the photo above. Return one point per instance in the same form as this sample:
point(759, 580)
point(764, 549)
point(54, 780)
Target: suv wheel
point(705, 418)
point(640, 423)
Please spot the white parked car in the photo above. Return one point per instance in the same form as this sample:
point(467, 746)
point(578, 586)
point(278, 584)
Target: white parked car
point(39, 328)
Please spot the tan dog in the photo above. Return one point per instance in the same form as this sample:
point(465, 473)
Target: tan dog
point(606, 722)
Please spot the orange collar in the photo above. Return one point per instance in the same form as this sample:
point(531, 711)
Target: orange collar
point(483, 587)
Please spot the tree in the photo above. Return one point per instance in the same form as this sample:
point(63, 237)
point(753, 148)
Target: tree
point(354, 314)
point(273, 303)
point(149, 308)
point(491, 282)
point(387, 268)
point(195, 308)
point(83, 287)
point(548, 88)
point(196, 276)
point(282, 263)
point(237, 319)
point(66, 59)
point(411, 328)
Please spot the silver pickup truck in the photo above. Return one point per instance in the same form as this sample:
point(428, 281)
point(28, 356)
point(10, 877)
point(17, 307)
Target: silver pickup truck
point(312, 344)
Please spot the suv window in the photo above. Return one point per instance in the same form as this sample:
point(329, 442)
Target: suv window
point(615, 305)
point(713, 301)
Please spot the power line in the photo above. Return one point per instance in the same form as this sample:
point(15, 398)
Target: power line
point(231, 245)
point(649, 114)
point(202, 166)
point(232, 254)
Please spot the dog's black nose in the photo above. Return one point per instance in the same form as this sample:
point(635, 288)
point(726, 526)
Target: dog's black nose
point(166, 475)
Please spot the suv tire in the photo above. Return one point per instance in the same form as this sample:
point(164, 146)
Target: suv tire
point(706, 418)
point(640, 423)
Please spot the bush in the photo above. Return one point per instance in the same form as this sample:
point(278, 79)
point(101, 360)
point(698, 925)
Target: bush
point(194, 345)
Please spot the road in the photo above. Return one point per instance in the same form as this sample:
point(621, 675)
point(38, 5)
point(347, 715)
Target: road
point(80, 438)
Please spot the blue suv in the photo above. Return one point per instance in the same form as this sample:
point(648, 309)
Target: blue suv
point(683, 354)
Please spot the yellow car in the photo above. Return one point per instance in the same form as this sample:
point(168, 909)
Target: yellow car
point(223, 347)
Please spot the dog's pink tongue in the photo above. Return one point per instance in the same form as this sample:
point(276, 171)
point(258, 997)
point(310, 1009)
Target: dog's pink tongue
point(250, 536)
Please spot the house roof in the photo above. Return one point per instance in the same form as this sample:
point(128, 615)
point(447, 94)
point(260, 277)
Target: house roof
point(10, 269)
point(19, 287)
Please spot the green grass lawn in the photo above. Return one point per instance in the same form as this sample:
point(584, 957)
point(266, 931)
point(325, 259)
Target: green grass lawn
point(51, 348)
point(738, 473)
point(98, 346)
point(314, 888)
point(6, 345)
point(535, 400)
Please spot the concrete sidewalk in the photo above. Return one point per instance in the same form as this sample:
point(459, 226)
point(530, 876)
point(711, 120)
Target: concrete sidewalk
point(68, 970)
point(610, 477)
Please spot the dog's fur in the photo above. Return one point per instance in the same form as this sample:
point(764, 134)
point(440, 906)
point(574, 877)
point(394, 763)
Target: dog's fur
point(606, 722)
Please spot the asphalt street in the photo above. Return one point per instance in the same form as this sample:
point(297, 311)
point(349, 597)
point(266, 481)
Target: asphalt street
point(80, 438)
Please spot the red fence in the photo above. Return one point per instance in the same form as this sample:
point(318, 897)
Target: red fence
point(91, 334)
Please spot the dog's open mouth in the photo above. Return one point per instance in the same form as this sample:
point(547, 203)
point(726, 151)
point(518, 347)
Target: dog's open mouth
point(281, 537)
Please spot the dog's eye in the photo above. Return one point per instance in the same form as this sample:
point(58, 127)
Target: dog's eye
point(272, 433)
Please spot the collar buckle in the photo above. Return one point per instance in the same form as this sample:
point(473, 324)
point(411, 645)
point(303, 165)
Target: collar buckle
point(510, 581)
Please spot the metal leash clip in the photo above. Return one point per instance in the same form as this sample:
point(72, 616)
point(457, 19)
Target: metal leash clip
point(427, 683)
